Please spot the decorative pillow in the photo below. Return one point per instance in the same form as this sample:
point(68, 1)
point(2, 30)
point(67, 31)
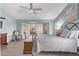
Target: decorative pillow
point(76, 34)
point(68, 35)
point(73, 33)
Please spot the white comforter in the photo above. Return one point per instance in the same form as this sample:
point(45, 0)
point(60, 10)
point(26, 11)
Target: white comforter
point(50, 43)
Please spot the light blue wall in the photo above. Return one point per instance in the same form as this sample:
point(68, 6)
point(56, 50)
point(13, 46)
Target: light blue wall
point(51, 27)
point(49, 22)
point(77, 10)
point(9, 24)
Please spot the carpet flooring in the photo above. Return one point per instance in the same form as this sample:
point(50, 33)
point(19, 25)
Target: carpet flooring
point(15, 48)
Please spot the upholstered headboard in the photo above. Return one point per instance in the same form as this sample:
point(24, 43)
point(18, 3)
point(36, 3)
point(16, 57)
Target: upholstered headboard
point(69, 26)
point(72, 25)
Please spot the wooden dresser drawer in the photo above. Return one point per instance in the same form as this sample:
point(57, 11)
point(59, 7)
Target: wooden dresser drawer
point(3, 39)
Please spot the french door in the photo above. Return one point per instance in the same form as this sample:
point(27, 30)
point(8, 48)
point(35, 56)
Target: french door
point(38, 28)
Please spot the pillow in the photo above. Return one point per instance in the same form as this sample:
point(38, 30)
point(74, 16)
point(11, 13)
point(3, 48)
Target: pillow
point(73, 33)
point(76, 34)
point(69, 33)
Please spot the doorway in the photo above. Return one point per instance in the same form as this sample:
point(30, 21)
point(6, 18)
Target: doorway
point(38, 28)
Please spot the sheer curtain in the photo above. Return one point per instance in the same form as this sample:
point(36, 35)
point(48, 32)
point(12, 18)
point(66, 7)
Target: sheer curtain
point(39, 29)
point(27, 30)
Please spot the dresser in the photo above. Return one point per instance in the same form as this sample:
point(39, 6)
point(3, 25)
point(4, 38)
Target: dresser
point(3, 39)
point(27, 47)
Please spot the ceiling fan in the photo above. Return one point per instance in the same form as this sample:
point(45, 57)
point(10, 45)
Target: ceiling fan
point(31, 8)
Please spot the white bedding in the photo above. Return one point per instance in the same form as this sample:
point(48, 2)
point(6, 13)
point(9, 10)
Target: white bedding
point(50, 43)
point(78, 43)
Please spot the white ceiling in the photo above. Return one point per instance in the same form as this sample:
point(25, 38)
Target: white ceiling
point(50, 10)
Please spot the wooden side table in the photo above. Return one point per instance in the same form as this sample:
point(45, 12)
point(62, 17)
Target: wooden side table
point(27, 47)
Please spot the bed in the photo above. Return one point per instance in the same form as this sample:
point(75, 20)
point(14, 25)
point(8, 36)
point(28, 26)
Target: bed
point(54, 43)
point(49, 43)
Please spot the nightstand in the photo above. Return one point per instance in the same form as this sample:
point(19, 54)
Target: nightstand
point(27, 47)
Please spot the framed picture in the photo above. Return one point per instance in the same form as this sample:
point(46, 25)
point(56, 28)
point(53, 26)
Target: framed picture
point(1, 24)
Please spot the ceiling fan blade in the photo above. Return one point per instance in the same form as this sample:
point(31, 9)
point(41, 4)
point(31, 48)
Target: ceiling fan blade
point(37, 9)
point(2, 18)
point(31, 6)
point(34, 12)
point(24, 7)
